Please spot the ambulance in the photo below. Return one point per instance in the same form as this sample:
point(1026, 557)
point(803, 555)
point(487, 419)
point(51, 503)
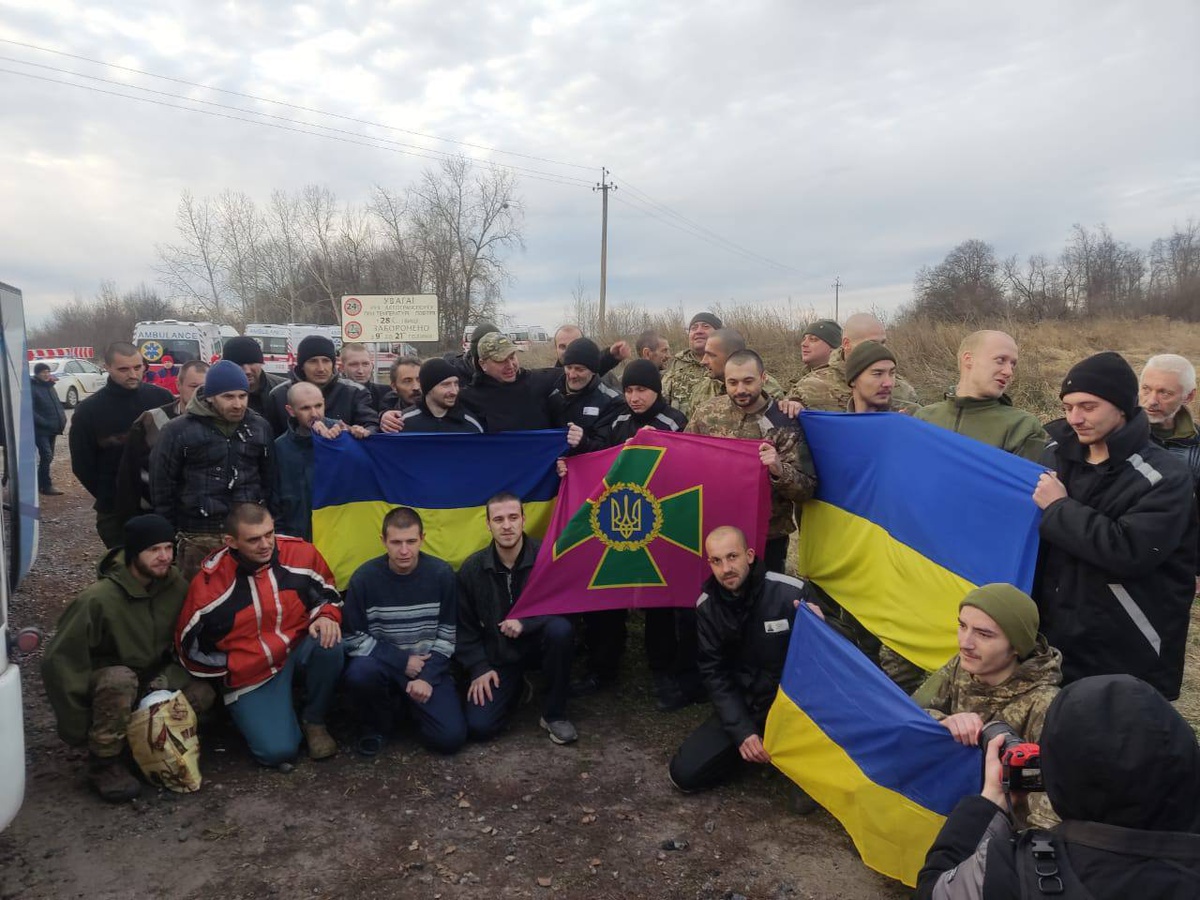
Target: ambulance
point(274, 340)
point(167, 344)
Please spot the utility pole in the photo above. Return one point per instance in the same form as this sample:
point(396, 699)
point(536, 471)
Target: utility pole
point(603, 187)
point(837, 288)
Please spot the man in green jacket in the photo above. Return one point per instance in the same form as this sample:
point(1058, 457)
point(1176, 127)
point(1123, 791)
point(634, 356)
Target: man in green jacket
point(113, 646)
point(979, 408)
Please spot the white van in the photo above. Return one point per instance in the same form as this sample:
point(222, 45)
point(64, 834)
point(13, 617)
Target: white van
point(274, 342)
point(167, 344)
point(18, 540)
point(528, 335)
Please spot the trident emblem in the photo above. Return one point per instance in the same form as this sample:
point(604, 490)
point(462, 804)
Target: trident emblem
point(626, 518)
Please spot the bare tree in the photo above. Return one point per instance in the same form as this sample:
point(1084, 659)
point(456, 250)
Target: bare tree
point(963, 287)
point(242, 232)
point(192, 269)
point(1037, 288)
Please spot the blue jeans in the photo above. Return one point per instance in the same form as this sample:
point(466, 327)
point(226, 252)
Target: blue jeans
point(266, 717)
point(45, 452)
point(552, 646)
point(377, 690)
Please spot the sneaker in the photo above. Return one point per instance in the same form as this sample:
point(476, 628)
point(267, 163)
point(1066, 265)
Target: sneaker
point(321, 744)
point(561, 731)
point(112, 779)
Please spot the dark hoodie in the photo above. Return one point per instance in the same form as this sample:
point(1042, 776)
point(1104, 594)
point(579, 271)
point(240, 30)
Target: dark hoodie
point(1122, 768)
point(1116, 568)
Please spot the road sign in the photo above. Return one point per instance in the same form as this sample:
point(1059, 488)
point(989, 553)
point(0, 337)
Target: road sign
point(390, 317)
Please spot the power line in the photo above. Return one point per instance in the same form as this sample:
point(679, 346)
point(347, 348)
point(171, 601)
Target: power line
point(650, 201)
point(367, 142)
point(726, 246)
point(295, 106)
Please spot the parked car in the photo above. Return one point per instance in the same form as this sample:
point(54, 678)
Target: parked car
point(75, 379)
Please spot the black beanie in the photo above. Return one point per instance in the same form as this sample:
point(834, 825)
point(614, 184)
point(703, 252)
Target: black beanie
point(433, 372)
point(709, 318)
point(642, 373)
point(145, 531)
point(477, 335)
point(314, 345)
point(244, 351)
point(582, 352)
point(1109, 377)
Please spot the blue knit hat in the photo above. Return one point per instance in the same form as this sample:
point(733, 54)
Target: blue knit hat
point(223, 377)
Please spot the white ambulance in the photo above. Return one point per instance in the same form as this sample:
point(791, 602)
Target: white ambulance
point(277, 356)
point(167, 344)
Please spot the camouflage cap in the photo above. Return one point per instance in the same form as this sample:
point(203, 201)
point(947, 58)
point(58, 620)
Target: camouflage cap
point(496, 346)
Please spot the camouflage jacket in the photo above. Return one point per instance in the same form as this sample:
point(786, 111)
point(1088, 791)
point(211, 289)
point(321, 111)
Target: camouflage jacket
point(711, 387)
point(825, 388)
point(720, 418)
point(1021, 701)
point(681, 379)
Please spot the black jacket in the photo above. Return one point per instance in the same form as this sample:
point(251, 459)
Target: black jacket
point(344, 400)
point(197, 471)
point(418, 420)
point(98, 431)
point(260, 400)
point(48, 414)
point(591, 409)
point(1185, 444)
point(486, 592)
point(1116, 569)
point(626, 423)
point(743, 642)
point(1126, 769)
point(522, 405)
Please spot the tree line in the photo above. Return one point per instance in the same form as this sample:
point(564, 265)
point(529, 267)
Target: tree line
point(1094, 275)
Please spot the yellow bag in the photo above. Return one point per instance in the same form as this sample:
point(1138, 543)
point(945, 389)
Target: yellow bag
point(163, 739)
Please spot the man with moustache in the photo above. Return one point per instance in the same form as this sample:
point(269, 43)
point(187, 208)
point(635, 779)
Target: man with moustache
point(405, 393)
point(654, 347)
point(246, 352)
point(686, 370)
point(438, 411)
point(718, 348)
point(871, 377)
point(344, 400)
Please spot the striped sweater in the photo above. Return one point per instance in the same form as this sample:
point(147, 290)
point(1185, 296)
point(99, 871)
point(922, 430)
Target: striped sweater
point(389, 616)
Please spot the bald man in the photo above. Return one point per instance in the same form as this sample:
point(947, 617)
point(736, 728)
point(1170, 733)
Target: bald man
point(743, 625)
point(826, 388)
point(979, 406)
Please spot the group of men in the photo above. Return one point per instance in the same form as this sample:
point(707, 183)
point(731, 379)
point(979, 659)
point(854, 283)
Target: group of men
point(222, 475)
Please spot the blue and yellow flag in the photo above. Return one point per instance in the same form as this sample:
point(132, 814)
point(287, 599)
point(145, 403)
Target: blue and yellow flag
point(857, 745)
point(447, 478)
point(908, 518)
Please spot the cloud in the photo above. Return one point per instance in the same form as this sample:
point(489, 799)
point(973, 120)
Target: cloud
point(862, 141)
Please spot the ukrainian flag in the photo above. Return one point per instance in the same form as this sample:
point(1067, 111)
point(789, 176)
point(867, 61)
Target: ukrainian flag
point(857, 745)
point(447, 478)
point(908, 518)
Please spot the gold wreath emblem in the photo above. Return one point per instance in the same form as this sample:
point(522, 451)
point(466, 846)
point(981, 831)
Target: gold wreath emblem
point(626, 518)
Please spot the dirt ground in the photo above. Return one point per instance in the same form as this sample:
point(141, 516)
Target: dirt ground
point(519, 817)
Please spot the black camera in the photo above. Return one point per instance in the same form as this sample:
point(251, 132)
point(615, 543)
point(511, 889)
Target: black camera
point(1021, 760)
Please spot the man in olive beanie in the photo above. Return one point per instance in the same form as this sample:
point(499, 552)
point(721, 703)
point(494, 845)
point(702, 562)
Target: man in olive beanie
point(1116, 567)
point(871, 377)
point(817, 343)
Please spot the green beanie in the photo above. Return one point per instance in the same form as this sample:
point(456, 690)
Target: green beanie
point(1014, 611)
point(864, 355)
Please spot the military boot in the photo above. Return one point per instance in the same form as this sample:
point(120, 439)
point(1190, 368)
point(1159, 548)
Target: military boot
point(111, 778)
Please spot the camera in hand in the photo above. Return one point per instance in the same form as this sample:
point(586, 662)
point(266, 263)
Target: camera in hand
point(1021, 760)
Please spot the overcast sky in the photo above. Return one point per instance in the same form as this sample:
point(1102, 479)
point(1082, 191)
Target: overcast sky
point(858, 140)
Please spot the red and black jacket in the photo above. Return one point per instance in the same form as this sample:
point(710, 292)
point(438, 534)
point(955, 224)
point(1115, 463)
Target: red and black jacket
point(240, 623)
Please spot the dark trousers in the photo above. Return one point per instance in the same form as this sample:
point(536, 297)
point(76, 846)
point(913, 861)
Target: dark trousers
point(604, 636)
point(45, 452)
point(111, 529)
point(707, 757)
point(378, 690)
point(553, 646)
point(266, 717)
point(671, 643)
point(775, 554)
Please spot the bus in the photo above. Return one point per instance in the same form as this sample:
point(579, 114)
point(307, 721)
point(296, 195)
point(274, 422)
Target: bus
point(18, 539)
point(168, 343)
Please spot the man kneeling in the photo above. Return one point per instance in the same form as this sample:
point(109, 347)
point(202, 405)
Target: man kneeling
point(258, 609)
point(744, 623)
point(113, 646)
point(400, 620)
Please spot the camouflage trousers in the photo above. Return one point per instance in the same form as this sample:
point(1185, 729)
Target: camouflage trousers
point(908, 676)
point(190, 549)
point(115, 691)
